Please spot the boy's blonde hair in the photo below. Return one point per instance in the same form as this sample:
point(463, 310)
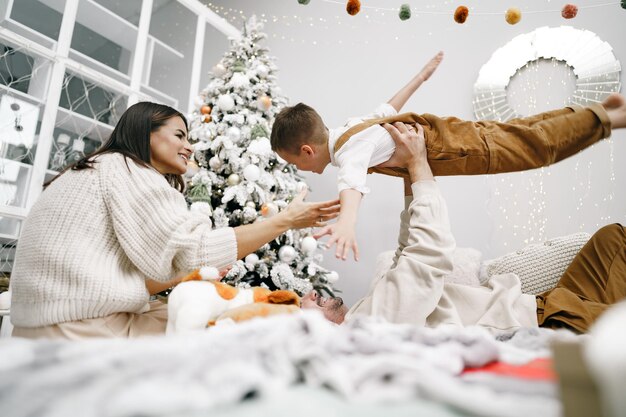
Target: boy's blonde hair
point(296, 126)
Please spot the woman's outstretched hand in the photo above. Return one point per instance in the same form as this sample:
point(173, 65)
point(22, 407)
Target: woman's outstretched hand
point(300, 214)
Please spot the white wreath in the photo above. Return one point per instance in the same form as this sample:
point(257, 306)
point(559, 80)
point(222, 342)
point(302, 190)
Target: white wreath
point(591, 59)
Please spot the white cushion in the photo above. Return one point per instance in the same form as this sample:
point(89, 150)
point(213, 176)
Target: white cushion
point(539, 266)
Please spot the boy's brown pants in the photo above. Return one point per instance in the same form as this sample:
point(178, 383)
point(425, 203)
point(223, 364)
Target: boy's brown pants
point(460, 147)
point(595, 279)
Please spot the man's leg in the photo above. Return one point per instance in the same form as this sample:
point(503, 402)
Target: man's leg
point(458, 147)
point(595, 279)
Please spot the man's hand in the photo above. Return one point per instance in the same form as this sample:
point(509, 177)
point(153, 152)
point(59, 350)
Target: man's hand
point(344, 236)
point(410, 151)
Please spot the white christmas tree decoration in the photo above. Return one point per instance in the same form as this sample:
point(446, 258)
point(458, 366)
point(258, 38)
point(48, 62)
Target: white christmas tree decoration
point(238, 179)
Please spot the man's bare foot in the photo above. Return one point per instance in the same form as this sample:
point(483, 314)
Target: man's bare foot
point(615, 107)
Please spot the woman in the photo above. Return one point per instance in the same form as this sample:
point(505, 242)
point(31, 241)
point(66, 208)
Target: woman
point(116, 218)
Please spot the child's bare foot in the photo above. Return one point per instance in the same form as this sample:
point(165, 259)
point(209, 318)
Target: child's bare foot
point(432, 65)
point(615, 107)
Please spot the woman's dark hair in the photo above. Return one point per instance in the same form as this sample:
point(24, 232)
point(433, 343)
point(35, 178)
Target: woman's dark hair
point(131, 138)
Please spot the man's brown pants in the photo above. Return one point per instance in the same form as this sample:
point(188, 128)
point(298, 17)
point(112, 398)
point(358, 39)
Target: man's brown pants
point(595, 279)
point(460, 147)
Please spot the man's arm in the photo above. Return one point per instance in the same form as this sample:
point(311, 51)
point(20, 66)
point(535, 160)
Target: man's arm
point(410, 291)
point(401, 97)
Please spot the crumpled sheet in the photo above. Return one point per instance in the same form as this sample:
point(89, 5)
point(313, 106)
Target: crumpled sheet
point(366, 360)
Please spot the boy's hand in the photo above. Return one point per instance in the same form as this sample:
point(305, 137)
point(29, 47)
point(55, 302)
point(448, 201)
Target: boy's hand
point(431, 66)
point(344, 236)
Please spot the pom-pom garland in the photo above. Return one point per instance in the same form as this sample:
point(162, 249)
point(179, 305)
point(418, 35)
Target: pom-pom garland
point(405, 12)
point(513, 16)
point(460, 14)
point(353, 7)
point(569, 11)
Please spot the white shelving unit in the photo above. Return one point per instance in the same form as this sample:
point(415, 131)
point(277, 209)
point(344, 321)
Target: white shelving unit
point(55, 62)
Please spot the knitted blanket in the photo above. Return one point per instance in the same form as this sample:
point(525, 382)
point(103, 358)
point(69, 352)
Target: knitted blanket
point(366, 360)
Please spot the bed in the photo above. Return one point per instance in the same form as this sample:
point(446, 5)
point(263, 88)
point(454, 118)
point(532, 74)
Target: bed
point(301, 364)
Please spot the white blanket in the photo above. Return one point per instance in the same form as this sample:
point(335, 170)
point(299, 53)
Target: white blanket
point(366, 360)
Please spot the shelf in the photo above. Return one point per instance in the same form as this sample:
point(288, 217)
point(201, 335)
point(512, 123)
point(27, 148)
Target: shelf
point(13, 213)
point(159, 96)
point(111, 26)
point(32, 35)
point(26, 97)
point(88, 61)
point(82, 125)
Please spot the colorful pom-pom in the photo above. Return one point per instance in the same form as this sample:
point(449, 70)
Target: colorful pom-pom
point(569, 11)
point(304, 1)
point(513, 16)
point(405, 12)
point(353, 7)
point(460, 14)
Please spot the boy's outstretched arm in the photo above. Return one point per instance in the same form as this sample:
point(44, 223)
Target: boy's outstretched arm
point(342, 232)
point(401, 97)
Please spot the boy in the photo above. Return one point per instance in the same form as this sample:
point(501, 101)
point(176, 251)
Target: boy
point(455, 147)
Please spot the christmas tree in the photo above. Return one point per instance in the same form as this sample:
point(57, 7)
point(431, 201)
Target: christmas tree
point(237, 179)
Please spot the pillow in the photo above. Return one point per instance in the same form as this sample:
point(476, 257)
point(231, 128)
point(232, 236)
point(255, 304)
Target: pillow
point(539, 266)
point(466, 263)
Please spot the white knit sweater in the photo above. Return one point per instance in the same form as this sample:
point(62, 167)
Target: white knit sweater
point(95, 235)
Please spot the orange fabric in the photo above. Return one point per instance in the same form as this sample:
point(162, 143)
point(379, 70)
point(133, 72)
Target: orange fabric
point(594, 281)
point(540, 369)
point(227, 292)
point(284, 297)
point(251, 311)
point(260, 294)
point(193, 276)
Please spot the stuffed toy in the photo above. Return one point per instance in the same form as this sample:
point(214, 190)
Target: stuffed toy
point(200, 301)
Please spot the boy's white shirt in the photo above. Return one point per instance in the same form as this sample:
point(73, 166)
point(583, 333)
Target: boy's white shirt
point(366, 149)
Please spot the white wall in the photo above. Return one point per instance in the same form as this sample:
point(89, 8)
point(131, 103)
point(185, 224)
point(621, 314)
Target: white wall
point(357, 62)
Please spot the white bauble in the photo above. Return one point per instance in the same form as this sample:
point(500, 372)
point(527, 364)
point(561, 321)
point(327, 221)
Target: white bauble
point(192, 169)
point(262, 70)
point(209, 273)
point(251, 260)
point(251, 204)
point(264, 103)
point(233, 179)
point(252, 173)
point(204, 135)
point(260, 147)
point(201, 207)
point(198, 102)
point(269, 210)
point(287, 253)
point(233, 133)
point(215, 163)
point(311, 270)
point(219, 70)
point(308, 245)
point(332, 277)
point(240, 80)
point(225, 102)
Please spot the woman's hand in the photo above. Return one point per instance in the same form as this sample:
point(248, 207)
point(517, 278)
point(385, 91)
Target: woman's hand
point(300, 214)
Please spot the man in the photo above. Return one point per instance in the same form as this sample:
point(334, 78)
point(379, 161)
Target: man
point(413, 289)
